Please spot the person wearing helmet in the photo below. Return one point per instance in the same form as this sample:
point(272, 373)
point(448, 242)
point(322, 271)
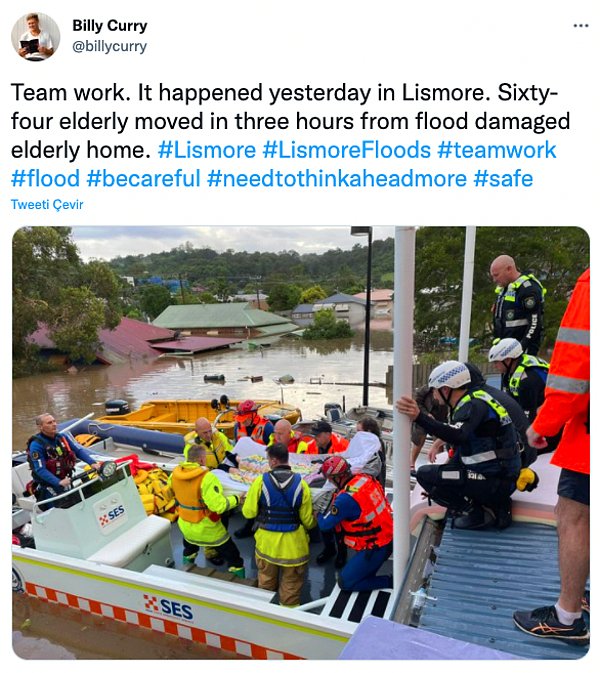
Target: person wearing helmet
point(249, 423)
point(519, 307)
point(481, 474)
point(359, 510)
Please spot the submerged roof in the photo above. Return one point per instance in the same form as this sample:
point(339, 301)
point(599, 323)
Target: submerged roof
point(206, 316)
point(195, 344)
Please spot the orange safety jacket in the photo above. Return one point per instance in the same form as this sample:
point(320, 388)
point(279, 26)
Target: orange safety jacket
point(568, 386)
point(338, 444)
point(187, 485)
point(297, 444)
point(257, 432)
point(374, 528)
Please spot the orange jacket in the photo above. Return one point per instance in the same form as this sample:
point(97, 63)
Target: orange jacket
point(338, 445)
point(568, 387)
point(374, 528)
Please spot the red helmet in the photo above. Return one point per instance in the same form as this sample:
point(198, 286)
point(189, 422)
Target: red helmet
point(245, 408)
point(334, 467)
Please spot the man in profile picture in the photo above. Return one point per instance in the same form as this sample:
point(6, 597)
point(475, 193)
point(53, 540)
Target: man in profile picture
point(36, 44)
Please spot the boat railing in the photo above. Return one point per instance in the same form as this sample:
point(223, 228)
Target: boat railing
point(76, 496)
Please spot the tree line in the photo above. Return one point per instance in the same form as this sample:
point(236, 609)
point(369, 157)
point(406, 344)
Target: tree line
point(52, 285)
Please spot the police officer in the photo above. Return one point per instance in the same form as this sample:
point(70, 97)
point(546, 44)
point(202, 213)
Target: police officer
point(52, 456)
point(361, 511)
point(519, 307)
point(477, 481)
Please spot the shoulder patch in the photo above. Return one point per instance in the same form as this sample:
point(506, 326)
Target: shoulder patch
point(35, 455)
point(335, 510)
point(530, 302)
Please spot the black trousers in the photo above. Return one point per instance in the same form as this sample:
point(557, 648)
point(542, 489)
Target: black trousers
point(453, 486)
point(228, 550)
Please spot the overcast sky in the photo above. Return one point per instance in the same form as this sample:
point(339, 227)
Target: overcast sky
point(109, 242)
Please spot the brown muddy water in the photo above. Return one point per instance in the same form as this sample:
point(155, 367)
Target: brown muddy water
point(42, 631)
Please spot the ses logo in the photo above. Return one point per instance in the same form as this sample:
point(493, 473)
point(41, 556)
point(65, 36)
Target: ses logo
point(167, 608)
point(111, 516)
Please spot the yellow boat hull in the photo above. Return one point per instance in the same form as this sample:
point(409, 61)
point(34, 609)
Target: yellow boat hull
point(178, 416)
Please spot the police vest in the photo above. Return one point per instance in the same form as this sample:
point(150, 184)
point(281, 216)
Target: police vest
point(490, 455)
point(258, 430)
point(509, 311)
point(60, 458)
point(279, 503)
point(187, 486)
point(527, 362)
point(374, 527)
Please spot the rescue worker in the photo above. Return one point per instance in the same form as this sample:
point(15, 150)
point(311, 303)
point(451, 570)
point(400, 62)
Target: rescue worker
point(326, 441)
point(567, 404)
point(200, 504)
point(281, 502)
point(219, 452)
point(283, 433)
point(249, 423)
point(519, 307)
point(477, 481)
point(52, 456)
point(429, 405)
point(362, 513)
point(523, 377)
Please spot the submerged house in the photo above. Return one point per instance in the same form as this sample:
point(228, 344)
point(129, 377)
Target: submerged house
point(235, 320)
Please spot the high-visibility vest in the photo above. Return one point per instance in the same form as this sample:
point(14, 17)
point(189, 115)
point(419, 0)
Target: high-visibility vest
point(338, 445)
point(374, 527)
point(297, 443)
point(258, 430)
point(527, 361)
point(568, 385)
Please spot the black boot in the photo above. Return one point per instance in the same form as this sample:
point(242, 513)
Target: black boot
point(503, 514)
point(325, 555)
point(476, 517)
point(246, 530)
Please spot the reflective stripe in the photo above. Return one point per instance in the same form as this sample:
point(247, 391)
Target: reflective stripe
point(572, 335)
point(517, 323)
point(479, 458)
point(568, 384)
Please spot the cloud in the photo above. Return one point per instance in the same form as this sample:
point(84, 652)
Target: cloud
point(112, 241)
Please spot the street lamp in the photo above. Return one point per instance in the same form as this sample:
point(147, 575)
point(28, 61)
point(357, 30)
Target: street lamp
point(366, 231)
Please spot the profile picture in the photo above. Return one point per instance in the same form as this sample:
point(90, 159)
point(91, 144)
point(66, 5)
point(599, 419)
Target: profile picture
point(35, 37)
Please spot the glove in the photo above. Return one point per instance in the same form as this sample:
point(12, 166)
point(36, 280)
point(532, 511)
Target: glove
point(527, 480)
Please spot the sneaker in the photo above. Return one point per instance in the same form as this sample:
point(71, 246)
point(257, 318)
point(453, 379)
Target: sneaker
point(585, 602)
point(238, 572)
point(544, 623)
point(190, 560)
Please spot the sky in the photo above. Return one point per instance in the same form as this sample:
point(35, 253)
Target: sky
point(112, 241)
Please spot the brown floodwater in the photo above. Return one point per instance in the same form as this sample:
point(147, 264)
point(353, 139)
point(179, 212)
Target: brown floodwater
point(44, 631)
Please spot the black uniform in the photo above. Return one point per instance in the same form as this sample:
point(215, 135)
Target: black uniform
point(519, 312)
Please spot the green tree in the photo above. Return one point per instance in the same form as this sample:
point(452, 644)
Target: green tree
point(155, 299)
point(312, 295)
point(326, 326)
point(283, 296)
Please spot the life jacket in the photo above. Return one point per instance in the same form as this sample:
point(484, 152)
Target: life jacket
point(510, 317)
point(258, 430)
point(374, 527)
point(568, 385)
point(187, 487)
point(155, 492)
point(60, 458)
point(527, 362)
point(215, 450)
point(337, 444)
point(280, 500)
point(490, 455)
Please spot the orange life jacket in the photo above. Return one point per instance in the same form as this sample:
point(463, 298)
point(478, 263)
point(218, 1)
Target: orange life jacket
point(567, 394)
point(257, 432)
point(374, 528)
point(338, 445)
point(187, 486)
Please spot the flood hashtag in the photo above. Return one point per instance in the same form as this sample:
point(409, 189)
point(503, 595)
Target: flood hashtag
point(165, 149)
point(270, 149)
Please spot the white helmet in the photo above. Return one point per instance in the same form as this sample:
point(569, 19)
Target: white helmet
point(505, 348)
point(452, 373)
